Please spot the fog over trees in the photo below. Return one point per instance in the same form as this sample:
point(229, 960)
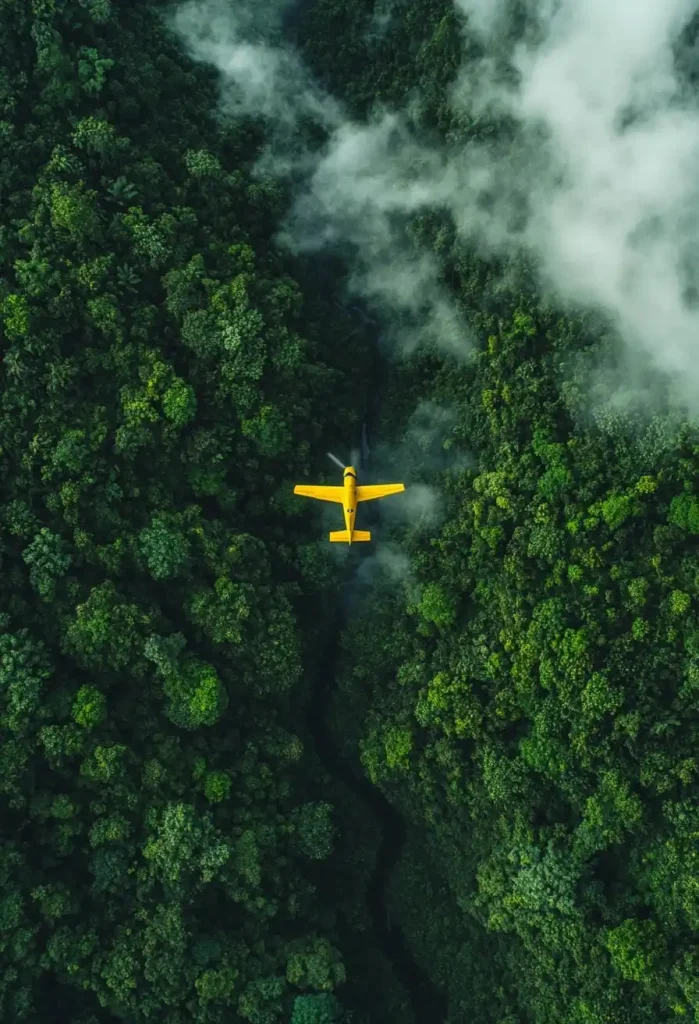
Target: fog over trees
point(250, 776)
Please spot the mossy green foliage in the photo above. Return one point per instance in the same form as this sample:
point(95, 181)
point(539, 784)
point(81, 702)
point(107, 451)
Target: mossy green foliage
point(164, 379)
point(534, 708)
point(171, 849)
point(528, 697)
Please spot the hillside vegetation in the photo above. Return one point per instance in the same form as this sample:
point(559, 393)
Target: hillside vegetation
point(182, 837)
point(164, 380)
point(529, 695)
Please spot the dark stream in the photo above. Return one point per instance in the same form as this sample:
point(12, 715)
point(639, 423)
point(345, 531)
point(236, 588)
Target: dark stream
point(429, 1006)
point(324, 277)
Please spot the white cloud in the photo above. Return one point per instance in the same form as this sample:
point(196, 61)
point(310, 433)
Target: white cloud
point(261, 76)
point(598, 181)
point(357, 192)
point(613, 192)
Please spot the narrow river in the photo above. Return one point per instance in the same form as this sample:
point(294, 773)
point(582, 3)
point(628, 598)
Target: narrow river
point(429, 1007)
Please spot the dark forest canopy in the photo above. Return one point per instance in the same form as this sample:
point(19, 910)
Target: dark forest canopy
point(164, 380)
point(520, 673)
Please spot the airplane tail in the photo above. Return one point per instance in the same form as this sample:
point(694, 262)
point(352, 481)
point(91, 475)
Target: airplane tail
point(343, 536)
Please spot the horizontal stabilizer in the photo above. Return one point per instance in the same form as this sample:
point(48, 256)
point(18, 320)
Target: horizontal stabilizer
point(343, 536)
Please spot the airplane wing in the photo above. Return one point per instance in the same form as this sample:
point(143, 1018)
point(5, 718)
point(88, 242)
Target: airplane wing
point(366, 493)
point(322, 493)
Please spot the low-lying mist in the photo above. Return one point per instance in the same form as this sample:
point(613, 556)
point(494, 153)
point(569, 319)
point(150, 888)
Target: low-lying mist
point(593, 176)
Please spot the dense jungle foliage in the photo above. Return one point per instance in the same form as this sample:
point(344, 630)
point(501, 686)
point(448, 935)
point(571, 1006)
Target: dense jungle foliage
point(530, 700)
point(173, 846)
point(164, 379)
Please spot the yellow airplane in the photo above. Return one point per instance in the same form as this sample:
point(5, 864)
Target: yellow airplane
point(348, 496)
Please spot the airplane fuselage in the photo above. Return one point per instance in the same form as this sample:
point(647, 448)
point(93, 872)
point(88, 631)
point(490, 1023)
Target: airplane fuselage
point(350, 496)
